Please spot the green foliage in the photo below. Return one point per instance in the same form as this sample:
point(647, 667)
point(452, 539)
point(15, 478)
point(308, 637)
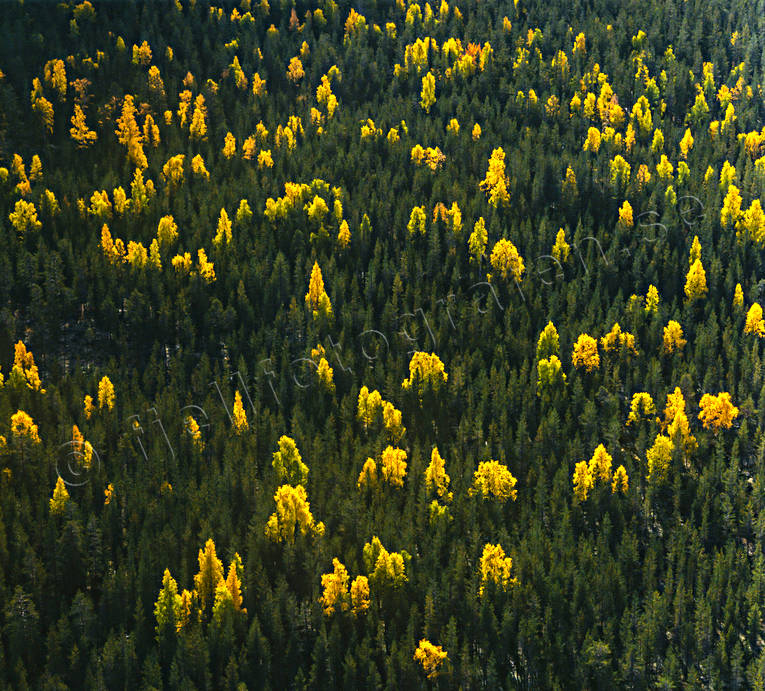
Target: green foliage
point(288, 464)
point(164, 278)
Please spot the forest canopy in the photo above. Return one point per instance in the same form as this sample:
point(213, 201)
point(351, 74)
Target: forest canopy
point(382, 345)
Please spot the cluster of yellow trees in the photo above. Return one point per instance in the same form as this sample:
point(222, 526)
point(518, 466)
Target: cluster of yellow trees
point(213, 597)
point(426, 373)
point(385, 570)
point(451, 58)
point(25, 374)
point(598, 469)
point(716, 412)
point(314, 199)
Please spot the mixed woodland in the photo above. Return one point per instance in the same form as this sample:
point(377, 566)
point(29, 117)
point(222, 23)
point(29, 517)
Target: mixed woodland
point(382, 344)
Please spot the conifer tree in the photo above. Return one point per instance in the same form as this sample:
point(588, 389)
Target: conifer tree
point(167, 608)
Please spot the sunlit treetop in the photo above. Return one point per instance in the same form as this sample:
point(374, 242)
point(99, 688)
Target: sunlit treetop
point(494, 480)
point(506, 260)
point(754, 322)
point(431, 658)
point(426, 372)
point(585, 354)
point(496, 182)
point(495, 569)
point(717, 412)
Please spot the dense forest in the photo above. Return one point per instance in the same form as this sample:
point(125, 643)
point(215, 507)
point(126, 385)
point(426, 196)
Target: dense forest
point(382, 344)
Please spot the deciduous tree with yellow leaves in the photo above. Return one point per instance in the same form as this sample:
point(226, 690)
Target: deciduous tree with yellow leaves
point(494, 480)
point(288, 463)
point(550, 376)
point(600, 464)
point(129, 134)
point(641, 408)
point(393, 466)
point(335, 596)
point(494, 569)
point(754, 322)
point(360, 595)
point(368, 475)
point(385, 569)
point(369, 405)
point(436, 478)
point(210, 574)
point(292, 512)
point(496, 182)
point(477, 240)
point(239, 415)
point(585, 353)
point(24, 372)
point(198, 126)
point(617, 340)
point(426, 373)
point(717, 412)
point(79, 131)
point(659, 457)
point(696, 282)
point(431, 657)
point(223, 231)
point(428, 93)
point(506, 260)
point(167, 608)
point(24, 217)
point(316, 298)
point(60, 497)
point(621, 481)
point(583, 480)
point(673, 337)
point(105, 393)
